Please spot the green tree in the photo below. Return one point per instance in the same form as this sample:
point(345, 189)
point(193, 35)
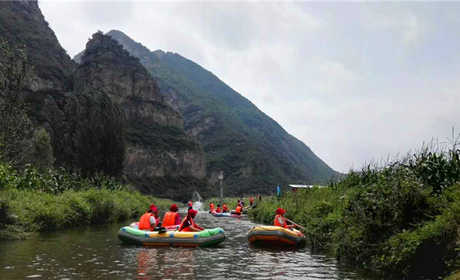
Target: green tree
point(42, 150)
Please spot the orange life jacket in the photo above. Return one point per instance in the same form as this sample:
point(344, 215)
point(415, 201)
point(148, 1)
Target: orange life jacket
point(218, 210)
point(276, 222)
point(238, 209)
point(144, 222)
point(169, 219)
point(211, 207)
point(225, 208)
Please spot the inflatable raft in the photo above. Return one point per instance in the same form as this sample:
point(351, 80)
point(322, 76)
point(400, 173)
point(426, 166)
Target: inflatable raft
point(207, 237)
point(226, 214)
point(276, 236)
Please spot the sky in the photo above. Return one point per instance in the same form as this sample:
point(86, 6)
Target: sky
point(356, 82)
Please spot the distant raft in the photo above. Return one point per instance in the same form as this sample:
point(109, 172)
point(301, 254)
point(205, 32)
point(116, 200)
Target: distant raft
point(205, 238)
point(275, 236)
point(226, 214)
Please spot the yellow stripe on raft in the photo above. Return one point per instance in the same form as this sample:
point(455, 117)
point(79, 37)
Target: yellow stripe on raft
point(175, 234)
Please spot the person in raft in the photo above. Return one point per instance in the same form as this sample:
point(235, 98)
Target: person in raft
point(280, 220)
point(224, 208)
point(172, 217)
point(150, 219)
point(218, 209)
point(188, 224)
point(238, 210)
point(211, 207)
point(190, 203)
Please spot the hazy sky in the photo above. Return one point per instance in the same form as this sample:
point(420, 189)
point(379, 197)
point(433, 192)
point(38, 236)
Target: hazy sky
point(356, 82)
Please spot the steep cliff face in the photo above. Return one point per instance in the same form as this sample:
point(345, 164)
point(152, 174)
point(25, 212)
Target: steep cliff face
point(84, 129)
point(104, 115)
point(23, 25)
point(157, 145)
point(254, 151)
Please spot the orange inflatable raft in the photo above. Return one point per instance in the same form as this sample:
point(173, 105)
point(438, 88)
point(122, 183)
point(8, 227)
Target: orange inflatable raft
point(276, 236)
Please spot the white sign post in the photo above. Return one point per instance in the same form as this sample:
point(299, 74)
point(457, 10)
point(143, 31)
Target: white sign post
point(221, 178)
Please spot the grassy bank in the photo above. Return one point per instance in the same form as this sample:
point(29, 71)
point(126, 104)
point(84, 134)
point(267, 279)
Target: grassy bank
point(400, 220)
point(32, 201)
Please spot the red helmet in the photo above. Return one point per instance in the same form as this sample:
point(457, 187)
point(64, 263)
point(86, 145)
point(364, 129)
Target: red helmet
point(153, 208)
point(192, 212)
point(280, 211)
point(173, 208)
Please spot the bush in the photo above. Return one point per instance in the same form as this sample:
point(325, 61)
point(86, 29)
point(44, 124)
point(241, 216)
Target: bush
point(428, 250)
point(401, 219)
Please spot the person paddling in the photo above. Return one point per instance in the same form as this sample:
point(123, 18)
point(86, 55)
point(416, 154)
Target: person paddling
point(224, 208)
point(149, 220)
point(188, 224)
point(172, 217)
point(218, 209)
point(280, 220)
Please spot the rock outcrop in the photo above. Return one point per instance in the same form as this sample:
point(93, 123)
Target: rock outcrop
point(157, 145)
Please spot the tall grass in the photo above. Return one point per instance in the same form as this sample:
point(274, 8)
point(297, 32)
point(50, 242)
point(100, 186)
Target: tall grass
point(39, 211)
point(401, 219)
point(42, 201)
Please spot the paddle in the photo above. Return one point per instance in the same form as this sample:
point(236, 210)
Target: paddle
point(297, 225)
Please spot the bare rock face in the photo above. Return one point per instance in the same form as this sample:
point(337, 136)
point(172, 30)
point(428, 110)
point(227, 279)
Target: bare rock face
point(157, 145)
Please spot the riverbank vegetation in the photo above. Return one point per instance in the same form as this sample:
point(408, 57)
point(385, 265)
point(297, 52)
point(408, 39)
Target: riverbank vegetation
point(32, 201)
point(400, 220)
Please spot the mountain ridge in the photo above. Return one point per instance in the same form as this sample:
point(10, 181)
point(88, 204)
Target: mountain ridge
point(252, 149)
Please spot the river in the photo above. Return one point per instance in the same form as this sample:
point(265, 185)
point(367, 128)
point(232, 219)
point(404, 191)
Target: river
point(96, 253)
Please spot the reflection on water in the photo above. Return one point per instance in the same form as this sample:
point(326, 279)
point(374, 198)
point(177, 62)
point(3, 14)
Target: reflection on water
point(175, 263)
point(96, 253)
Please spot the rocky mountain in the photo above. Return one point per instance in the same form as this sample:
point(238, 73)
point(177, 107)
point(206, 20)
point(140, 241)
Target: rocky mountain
point(104, 115)
point(254, 152)
point(158, 150)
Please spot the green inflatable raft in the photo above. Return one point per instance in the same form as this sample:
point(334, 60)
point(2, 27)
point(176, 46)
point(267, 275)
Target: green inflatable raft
point(205, 238)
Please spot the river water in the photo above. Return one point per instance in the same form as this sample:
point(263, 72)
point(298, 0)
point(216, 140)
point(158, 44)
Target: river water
point(96, 253)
